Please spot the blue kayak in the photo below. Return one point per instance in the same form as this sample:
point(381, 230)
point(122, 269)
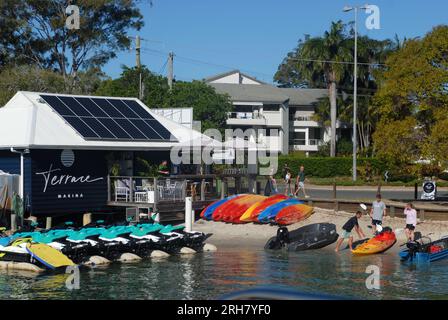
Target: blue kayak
point(268, 214)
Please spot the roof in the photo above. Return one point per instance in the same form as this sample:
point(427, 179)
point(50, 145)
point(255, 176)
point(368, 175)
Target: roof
point(26, 121)
point(228, 73)
point(251, 92)
point(269, 94)
point(303, 96)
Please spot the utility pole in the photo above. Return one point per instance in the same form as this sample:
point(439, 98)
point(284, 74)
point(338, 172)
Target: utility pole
point(355, 86)
point(170, 69)
point(139, 66)
point(137, 51)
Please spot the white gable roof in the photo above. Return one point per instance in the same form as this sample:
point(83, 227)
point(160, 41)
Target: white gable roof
point(26, 121)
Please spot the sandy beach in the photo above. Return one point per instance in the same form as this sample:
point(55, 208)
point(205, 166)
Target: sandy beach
point(256, 235)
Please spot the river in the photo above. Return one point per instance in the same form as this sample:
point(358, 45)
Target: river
point(211, 275)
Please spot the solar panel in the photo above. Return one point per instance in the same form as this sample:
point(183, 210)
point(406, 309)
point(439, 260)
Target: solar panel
point(108, 118)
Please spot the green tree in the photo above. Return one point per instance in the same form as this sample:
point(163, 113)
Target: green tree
point(398, 142)
point(209, 107)
point(304, 68)
point(318, 62)
point(31, 78)
point(415, 86)
point(37, 33)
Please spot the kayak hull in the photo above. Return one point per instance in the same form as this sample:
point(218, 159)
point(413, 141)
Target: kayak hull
point(251, 214)
point(378, 244)
point(235, 211)
point(208, 211)
point(268, 215)
point(220, 211)
point(293, 214)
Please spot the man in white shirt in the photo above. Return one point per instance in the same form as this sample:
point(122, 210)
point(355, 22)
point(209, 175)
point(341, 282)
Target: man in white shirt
point(377, 212)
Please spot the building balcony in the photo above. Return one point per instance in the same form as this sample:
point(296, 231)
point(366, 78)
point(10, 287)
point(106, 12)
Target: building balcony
point(304, 122)
point(245, 119)
point(305, 145)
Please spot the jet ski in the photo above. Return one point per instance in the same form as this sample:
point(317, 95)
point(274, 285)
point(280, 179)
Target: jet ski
point(111, 241)
point(313, 236)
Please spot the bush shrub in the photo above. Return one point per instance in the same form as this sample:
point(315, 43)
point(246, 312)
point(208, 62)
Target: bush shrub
point(327, 167)
point(444, 176)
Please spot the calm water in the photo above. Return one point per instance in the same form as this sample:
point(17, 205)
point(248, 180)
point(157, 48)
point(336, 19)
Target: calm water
point(210, 275)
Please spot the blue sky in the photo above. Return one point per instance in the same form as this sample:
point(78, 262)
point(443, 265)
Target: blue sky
point(210, 36)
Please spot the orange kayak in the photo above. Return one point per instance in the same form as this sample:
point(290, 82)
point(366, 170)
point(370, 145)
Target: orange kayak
point(219, 212)
point(378, 244)
point(293, 214)
point(251, 214)
point(237, 209)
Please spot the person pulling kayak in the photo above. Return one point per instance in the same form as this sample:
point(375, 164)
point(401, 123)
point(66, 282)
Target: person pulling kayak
point(347, 231)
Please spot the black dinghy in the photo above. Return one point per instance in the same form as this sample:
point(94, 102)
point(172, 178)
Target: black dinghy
point(312, 236)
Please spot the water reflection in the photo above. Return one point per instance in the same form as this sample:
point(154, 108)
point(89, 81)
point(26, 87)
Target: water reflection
point(210, 275)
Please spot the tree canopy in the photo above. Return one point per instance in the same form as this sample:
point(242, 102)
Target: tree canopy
point(415, 87)
point(208, 106)
point(327, 62)
point(34, 32)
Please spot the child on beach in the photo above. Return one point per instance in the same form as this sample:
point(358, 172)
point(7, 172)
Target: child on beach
point(347, 231)
point(411, 221)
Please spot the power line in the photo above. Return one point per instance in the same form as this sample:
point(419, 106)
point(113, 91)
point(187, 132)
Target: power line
point(162, 69)
point(336, 62)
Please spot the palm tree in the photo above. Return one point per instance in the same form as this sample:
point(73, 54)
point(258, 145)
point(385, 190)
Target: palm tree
point(321, 61)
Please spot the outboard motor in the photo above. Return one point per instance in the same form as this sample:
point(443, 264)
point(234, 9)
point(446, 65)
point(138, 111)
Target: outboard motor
point(283, 236)
point(280, 241)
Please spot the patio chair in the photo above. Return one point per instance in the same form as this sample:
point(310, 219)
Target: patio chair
point(122, 191)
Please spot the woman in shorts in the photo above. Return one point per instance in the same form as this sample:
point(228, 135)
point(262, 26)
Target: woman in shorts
point(411, 221)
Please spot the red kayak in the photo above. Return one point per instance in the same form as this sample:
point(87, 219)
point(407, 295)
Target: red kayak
point(293, 214)
point(235, 211)
point(219, 212)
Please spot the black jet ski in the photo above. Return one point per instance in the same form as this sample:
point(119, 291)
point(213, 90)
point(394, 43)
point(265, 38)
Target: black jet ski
point(313, 236)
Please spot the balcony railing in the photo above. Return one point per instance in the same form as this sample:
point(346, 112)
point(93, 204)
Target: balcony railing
point(301, 118)
point(303, 142)
point(245, 115)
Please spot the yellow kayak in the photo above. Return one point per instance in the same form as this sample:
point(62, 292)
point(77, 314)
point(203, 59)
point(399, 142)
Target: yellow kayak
point(48, 256)
point(377, 244)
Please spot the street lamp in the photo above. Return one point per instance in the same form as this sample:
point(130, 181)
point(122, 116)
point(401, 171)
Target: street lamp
point(355, 83)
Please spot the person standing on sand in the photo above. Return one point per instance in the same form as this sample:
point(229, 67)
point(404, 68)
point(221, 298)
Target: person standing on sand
point(347, 231)
point(300, 182)
point(377, 212)
point(411, 221)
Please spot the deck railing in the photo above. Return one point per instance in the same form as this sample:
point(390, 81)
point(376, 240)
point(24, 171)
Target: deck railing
point(152, 190)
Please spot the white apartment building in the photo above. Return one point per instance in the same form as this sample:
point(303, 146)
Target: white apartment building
point(262, 107)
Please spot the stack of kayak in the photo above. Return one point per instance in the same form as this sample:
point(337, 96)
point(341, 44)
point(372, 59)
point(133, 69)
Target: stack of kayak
point(244, 208)
point(98, 239)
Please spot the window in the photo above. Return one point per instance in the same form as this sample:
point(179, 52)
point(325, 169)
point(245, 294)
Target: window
point(271, 107)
